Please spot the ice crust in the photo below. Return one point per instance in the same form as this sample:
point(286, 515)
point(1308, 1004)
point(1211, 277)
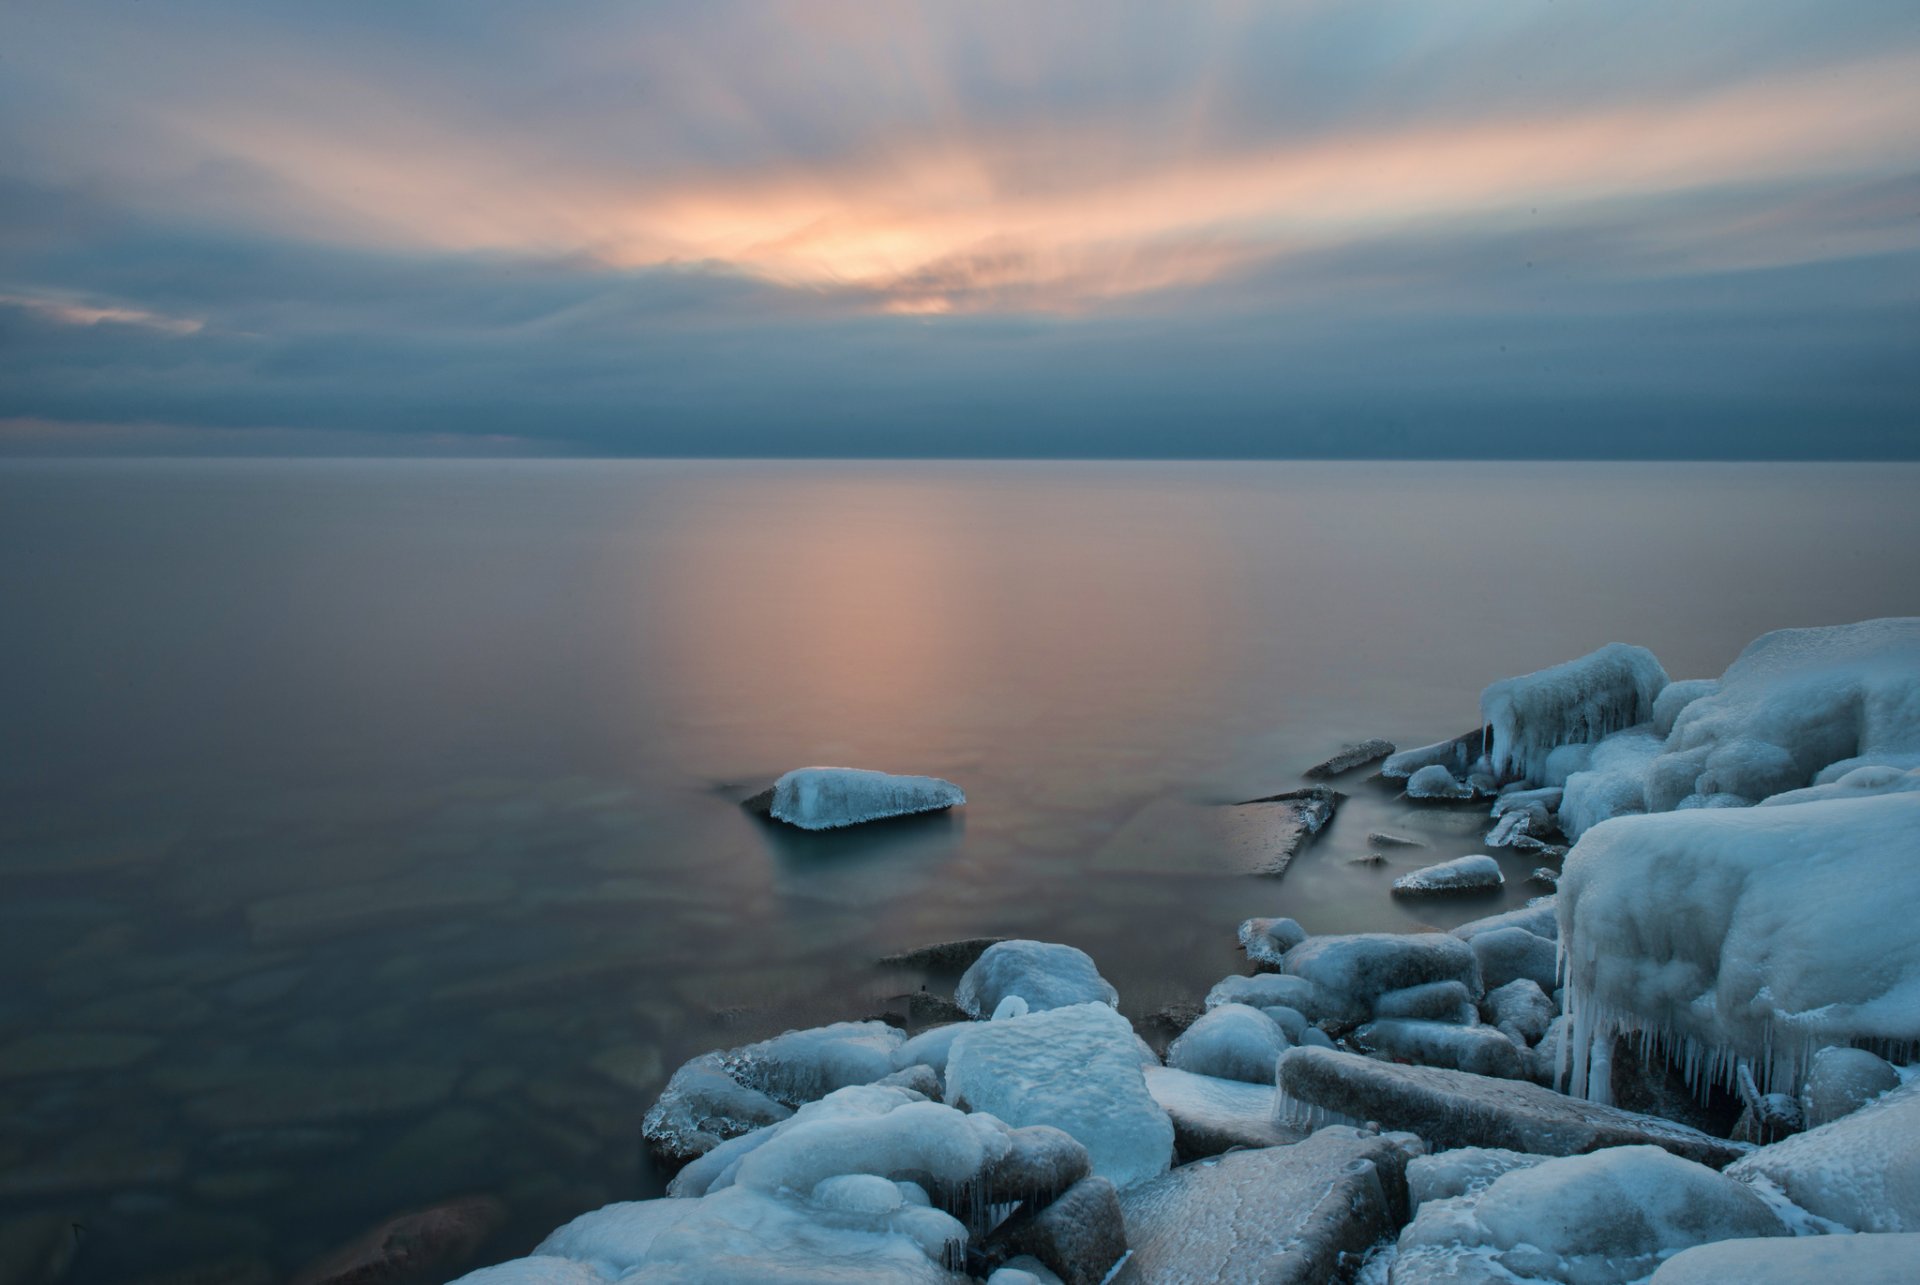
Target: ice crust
point(1862, 1171)
point(1582, 700)
point(1757, 934)
point(1044, 974)
point(1076, 1068)
point(1597, 1219)
point(827, 798)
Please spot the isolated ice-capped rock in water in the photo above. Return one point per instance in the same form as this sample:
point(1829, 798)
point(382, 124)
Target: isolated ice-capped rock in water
point(1045, 974)
point(1862, 1171)
point(1462, 874)
point(1076, 1068)
point(1746, 933)
point(1582, 700)
point(1583, 1220)
point(827, 798)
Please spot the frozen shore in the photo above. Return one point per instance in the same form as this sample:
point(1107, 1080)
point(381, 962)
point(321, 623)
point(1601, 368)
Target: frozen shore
point(1704, 1037)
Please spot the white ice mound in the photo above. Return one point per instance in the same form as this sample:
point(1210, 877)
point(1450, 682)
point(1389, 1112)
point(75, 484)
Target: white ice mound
point(1597, 1219)
point(1462, 874)
point(1043, 973)
point(1583, 700)
point(1747, 933)
point(1862, 1171)
point(1843, 1260)
point(1231, 1042)
point(826, 798)
point(1077, 1069)
point(1612, 783)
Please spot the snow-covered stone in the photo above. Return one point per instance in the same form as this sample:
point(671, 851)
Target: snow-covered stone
point(1479, 1049)
point(1076, 1068)
point(1506, 954)
point(1267, 990)
point(1297, 1215)
point(1676, 696)
point(1841, 1081)
point(928, 1049)
point(1520, 1009)
point(1435, 782)
point(1350, 972)
point(1456, 1109)
point(1267, 941)
point(1583, 1220)
point(1576, 702)
point(1886, 1259)
point(1614, 783)
point(1212, 1115)
point(1862, 1171)
point(543, 1269)
point(1230, 1042)
point(1045, 974)
point(1475, 873)
point(1858, 783)
point(1750, 933)
point(827, 798)
point(1538, 917)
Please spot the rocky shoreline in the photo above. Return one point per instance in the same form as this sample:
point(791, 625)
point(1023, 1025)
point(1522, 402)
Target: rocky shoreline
point(1695, 1043)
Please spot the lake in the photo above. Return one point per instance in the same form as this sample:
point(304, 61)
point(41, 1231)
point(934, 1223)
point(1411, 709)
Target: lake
point(368, 830)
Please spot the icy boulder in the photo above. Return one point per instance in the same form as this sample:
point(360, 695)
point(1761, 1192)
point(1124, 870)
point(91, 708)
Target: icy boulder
point(1614, 782)
point(1841, 1260)
point(1479, 1049)
point(1268, 990)
point(1454, 756)
point(1583, 700)
point(1476, 873)
point(1612, 1216)
point(1231, 1042)
point(1841, 1081)
point(1212, 1115)
point(1509, 953)
point(827, 798)
point(1746, 933)
point(1862, 1171)
point(1856, 784)
point(1267, 941)
point(1463, 1171)
point(1435, 782)
point(1044, 974)
point(1348, 973)
point(1076, 1068)
point(703, 1106)
point(1298, 1215)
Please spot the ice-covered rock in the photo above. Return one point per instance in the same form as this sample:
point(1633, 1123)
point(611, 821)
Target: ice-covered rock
point(928, 1049)
point(1435, 782)
point(1231, 1042)
point(1520, 1009)
point(1479, 1049)
point(827, 798)
point(1614, 783)
point(1076, 1068)
point(1456, 1109)
point(1506, 954)
point(1079, 1236)
point(1597, 1219)
point(1023, 1269)
point(1045, 974)
point(1455, 756)
point(1756, 934)
point(1676, 696)
point(1463, 1171)
point(1841, 1081)
point(1267, 990)
point(1432, 1002)
point(1516, 829)
point(1350, 972)
point(1539, 917)
point(1861, 1171)
point(1298, 1215)
point(1886, 1259)
point(1358, 754)
point(1212, 1115)
point(1475, 873)
point(1858, 783)
point(1576, 702)
point(1543, 800)
point(703, 1106)
point(1267, 941)
point(543, 1269)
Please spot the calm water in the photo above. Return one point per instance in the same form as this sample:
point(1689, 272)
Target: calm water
point(367, 830)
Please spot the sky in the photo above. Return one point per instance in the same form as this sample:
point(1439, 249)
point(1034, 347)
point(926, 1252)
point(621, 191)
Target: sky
point(1426, 228)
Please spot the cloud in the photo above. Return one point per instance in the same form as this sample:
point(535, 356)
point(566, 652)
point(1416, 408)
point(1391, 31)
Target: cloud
point(67, 312)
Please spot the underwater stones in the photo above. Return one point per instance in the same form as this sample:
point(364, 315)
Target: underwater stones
point(1458, 1109)
point(1079, 1236)
point(1357, 754)
point(72, 1053)
point(1861, 1171)
point(36, 1249)
point(635, 1067)
point(1213, 1115)
point(441, 1239)
point(1076, 1068)
point(830, 798)
point(1044, 974)
point(941, 956)
point(1476, 873)
point(1295, 1215)
point(304, 1095)
point(335, 911)
point(1381, 839)
point(1348, 973)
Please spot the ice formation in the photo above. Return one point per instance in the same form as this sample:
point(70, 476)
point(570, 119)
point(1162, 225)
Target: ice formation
point(1267, 941)
point(1756, 934)
point(1856, 784)
point(1862, 1171)
point(1582, 700)
point(1613, 783)
point(1452, 756)
point(1044, 974)
point(1230, 1042)
point(1435, 782)
point(1612, 1216)
point(1886, 1259)
point(826, 798)
point(1462, 874)
point(1076, 1068)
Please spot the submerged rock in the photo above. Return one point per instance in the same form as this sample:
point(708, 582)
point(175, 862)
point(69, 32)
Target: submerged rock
point(1456, 1109)
point(1358, 754)
point(1475, 873)
point(829, 798)
point(1301, 814)
point(440, 1240)
point(1297, 1215)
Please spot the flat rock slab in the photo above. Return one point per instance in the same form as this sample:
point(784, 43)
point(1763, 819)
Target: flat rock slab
point(1358, 754)
point(1305, 1213)
point(1211, 1115)
point(1459, 1109)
